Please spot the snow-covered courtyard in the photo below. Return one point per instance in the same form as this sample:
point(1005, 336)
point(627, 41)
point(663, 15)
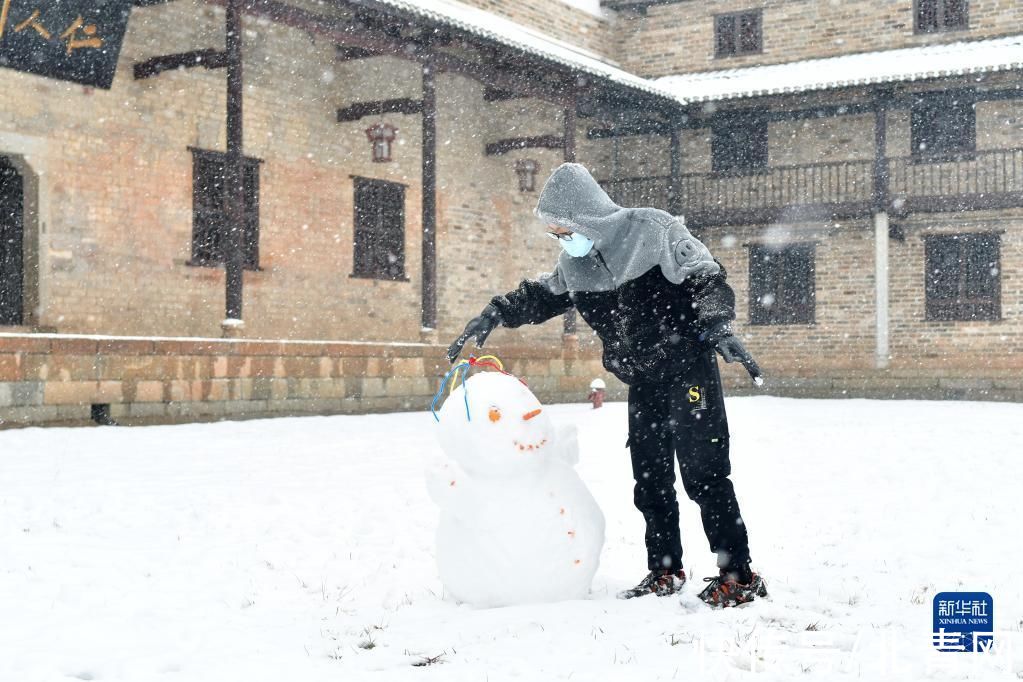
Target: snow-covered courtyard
point(303, 549)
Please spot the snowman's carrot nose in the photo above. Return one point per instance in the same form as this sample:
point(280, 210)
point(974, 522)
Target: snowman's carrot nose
point(529, 415)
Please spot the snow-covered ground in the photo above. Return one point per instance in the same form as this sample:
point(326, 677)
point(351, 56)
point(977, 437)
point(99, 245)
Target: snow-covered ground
point(302, 549)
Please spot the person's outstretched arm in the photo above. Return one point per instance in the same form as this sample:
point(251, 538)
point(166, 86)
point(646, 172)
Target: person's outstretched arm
point(532, 302)
point(714, 304)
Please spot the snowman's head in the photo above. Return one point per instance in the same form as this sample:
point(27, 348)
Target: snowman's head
point(506, 430)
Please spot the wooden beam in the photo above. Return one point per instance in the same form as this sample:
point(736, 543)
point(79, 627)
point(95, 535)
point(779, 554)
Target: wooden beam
point(851, 109)
point(492, 94)
point(569, 139)
point(995, 95)
point(568, 154)
point(360, 110)
point(630, 129)
point(429, 217)
point(605, 104)
point(675, 181)
point(857, 109)
point(513, 143)
point(518, 82)
point(154, 66)
point(761, 216)
point(958, 203)
point(820, 112)
point(908, 100)
point(347, 53)
point(882, 100)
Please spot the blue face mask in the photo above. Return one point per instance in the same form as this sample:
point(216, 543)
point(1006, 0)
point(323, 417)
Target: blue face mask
point(577, 245)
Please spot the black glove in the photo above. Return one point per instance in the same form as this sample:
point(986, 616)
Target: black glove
point(731, 349)
point(479, 327)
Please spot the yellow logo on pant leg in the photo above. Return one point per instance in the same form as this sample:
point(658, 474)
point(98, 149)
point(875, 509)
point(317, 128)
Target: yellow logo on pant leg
point(694, 394)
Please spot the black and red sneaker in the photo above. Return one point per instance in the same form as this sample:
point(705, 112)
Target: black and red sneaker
point(725, 589)
point(662, 583)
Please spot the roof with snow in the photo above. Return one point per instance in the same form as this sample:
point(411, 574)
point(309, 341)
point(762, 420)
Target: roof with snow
point(529, 40)
point(887, 66)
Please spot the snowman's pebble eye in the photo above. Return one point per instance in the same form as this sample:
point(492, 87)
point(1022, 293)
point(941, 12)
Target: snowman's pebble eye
point(495, 414)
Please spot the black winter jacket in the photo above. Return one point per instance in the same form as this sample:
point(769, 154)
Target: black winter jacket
point(651, 328)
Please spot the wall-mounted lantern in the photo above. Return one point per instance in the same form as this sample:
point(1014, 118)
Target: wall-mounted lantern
point(381, 136)
point(526, 170)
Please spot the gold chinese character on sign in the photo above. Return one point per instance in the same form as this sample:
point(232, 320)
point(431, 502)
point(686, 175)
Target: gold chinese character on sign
point(88, 30)
point(33, 22)
point(78, 35)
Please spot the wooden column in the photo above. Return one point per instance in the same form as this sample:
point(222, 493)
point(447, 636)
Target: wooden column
point(675, 181)
point(881, 190)
point(234, 177)
point(429, 114)
point(569, 137)
point(569, 157)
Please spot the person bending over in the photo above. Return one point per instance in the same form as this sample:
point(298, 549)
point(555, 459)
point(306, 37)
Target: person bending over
point(661, 306)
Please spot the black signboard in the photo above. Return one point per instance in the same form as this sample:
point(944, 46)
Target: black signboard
point(75, 40)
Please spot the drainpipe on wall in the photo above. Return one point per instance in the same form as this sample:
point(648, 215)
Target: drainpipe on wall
point(881, 288)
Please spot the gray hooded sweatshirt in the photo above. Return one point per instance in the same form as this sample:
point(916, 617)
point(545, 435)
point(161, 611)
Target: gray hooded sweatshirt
point(627, 242)
point(648, 288)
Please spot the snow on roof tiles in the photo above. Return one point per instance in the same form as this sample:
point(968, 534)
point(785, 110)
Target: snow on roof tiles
point(507, 32)
point(886, 66)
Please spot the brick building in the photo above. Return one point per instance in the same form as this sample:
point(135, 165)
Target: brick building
point(857, 167)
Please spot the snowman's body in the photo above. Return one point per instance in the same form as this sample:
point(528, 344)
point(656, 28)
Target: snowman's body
point(517, 524)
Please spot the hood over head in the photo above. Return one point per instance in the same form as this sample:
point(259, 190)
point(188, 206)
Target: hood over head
point(572, 199)
point(627, 242)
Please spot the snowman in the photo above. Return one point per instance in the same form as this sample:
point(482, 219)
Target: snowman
point(517, 524)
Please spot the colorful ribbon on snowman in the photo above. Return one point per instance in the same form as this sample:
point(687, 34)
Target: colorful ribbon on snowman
point(461, 371)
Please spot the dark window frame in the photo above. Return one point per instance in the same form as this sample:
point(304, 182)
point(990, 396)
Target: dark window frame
point(947, 290)
point(729, 37)
point(940, 15)
point(739, 143)
point(370, 232)
point(943, 126)
point(12, 249)
point(794, 289)
point(209, 215)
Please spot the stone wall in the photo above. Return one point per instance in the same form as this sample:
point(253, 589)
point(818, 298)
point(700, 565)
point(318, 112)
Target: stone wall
point(842, 340)
point(113, 242)
point(557, 19)
point(924, 355)
point(679, 37)
point(49, 378)
point(53, 379)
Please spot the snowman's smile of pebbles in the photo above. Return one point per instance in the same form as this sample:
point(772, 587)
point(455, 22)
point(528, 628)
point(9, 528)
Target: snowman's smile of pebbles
point(530, 446)
point(495, 416)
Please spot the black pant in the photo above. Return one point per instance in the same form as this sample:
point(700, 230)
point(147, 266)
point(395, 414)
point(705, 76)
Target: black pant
point(685, 416)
